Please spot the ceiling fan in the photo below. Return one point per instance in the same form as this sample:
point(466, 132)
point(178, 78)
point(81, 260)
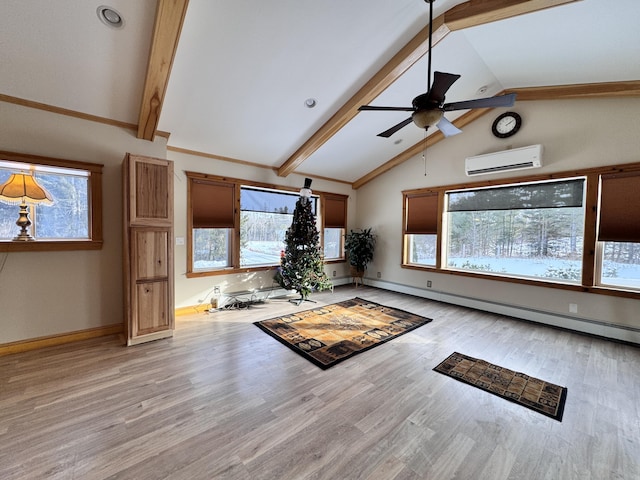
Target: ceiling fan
point(428, 108)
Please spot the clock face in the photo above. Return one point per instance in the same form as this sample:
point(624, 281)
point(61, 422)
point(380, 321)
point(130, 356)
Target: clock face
point(506, 124)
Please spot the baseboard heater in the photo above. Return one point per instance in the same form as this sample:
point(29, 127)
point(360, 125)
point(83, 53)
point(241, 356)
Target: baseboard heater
point(504, 161)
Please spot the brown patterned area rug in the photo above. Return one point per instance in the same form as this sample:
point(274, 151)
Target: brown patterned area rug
point(530, 392)
point(330, 334)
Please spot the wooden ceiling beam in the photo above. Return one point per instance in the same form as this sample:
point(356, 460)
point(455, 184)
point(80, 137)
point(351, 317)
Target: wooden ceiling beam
point(479, 12)
point(579, 90)
point(166, 33)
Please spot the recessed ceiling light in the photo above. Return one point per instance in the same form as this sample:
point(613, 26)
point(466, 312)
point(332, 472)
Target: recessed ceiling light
point(110, 17)
point(310, 102)
point(482, 90)
point(398, 142)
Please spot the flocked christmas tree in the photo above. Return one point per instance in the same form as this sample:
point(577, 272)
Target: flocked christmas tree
point(301, 266)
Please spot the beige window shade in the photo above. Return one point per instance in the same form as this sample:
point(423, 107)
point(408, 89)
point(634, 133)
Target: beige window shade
point(620, 208)
point(212, 204)
point(335, 211)
point(422, 213)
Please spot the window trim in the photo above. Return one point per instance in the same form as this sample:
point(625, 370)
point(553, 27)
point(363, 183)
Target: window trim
point(589, 282)
point(95, 240)
point(235, 241)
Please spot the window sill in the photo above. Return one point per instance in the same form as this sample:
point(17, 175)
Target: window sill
point(49, 245)
point(600, 290)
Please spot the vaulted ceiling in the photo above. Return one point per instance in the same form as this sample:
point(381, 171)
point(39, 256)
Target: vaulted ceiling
point(228, 79)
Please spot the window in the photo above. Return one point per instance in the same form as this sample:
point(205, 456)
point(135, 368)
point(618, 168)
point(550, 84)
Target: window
point(212, 223)
point(234, 225)
point(265, 216)
point(420, 229)
point(579, 230)
point(619, 231)
point(335, 224)
point(73, 221)
point(524, 230)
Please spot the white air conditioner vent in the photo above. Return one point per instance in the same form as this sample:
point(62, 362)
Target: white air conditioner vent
point(507, 160)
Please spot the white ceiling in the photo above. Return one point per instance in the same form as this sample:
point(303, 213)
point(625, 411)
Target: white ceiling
point(243, 68)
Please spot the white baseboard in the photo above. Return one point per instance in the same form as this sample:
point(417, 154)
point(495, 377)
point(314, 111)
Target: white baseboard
point(593, 327)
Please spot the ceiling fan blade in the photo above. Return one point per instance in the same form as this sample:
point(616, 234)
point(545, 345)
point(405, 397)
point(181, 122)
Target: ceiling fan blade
point(490, 102)
point(395, 128)
point(441, 83)
point(447, 128)
point(371, 107)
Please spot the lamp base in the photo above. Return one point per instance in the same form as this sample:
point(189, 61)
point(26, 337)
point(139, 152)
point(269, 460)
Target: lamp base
point(23, 222)
point(23, 238)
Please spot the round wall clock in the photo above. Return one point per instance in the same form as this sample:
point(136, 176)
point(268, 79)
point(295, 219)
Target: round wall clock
point(506, 124)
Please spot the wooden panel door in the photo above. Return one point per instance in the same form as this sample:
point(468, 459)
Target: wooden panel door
point(148, 248)
point(150, 191)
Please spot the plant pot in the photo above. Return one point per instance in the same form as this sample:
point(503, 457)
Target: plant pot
point(356, 274)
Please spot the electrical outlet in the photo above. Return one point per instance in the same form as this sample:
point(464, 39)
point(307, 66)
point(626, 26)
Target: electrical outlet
point(428, 283)
point(379, 274)
point(573, 308)
point(334, 273)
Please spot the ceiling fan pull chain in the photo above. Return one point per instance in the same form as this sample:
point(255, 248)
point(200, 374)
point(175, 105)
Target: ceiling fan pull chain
point(424, 153)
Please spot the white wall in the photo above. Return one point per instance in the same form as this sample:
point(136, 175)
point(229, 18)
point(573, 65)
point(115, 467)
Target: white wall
point(47, 293)
point(576, 134)
point(189, 291)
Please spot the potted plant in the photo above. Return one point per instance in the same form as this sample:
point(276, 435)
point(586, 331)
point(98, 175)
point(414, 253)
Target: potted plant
point(359, 247)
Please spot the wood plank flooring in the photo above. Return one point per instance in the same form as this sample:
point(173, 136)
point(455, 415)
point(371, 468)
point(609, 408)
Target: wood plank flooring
point(223, 400)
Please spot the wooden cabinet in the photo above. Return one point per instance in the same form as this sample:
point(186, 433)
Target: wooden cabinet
point(148, 248)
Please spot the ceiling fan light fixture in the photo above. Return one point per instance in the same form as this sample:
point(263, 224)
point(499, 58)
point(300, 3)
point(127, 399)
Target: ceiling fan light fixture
point(426, 118)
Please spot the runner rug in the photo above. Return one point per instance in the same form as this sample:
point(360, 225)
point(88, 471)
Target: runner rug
point(330, 334)
point(530, 392)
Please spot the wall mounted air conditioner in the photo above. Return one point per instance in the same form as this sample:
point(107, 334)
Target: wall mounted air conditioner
point(507, 160)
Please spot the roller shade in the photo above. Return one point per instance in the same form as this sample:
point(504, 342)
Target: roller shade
point(620, 208)
point(267, 201)
point(212, 204)
point(335, 211)
point(422, 213)
point(567, 193)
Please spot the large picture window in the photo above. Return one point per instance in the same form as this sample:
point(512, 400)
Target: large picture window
point(531, 230)
point(73, 220)
point(234, 225)
point(579, 230)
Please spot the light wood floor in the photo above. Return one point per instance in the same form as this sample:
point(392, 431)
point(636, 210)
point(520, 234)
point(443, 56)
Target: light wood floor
point(222, 400)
